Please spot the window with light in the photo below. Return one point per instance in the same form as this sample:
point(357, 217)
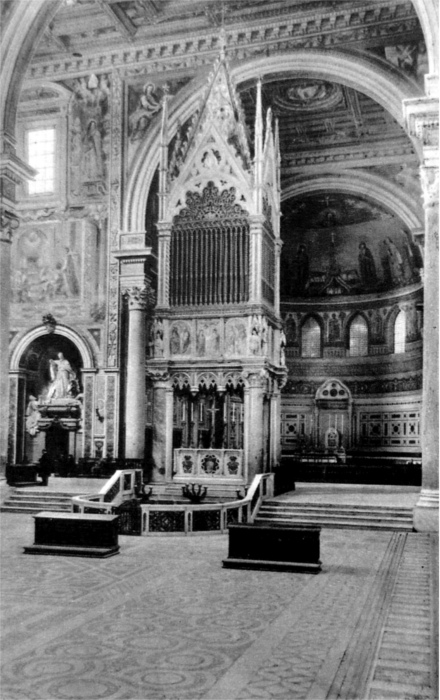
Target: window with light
point(40, 145)
point(399, 332)
point(311, 339)
point(358, 337)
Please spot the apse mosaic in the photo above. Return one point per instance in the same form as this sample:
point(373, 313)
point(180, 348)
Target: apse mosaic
point(343, 245)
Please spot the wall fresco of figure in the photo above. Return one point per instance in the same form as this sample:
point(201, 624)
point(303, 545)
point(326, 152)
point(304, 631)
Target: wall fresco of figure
point(89, 135)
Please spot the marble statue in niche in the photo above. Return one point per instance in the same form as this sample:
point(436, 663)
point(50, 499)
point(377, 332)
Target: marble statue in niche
point(255, 339)
point(63, 379)
point(32, 415)
point(283, 343)
point(367, 266)
point(158, 346)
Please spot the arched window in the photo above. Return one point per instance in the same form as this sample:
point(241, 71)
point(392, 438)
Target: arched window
point(311, 339)
point(358, 337)
point(399, 332)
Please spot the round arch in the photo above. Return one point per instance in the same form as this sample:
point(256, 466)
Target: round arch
point(372, 76)
point(373, 186)
point(29, 336)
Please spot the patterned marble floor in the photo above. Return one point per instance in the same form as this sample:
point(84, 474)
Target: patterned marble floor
point(164, 620)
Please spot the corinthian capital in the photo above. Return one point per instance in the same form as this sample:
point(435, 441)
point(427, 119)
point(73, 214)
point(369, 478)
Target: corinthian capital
point(137, 298)
point(140, 298)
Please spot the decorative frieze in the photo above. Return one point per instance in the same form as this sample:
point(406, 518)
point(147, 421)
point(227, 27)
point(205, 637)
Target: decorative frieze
point(252, 35)
point(359, 387)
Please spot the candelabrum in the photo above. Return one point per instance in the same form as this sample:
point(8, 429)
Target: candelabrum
point(194, 492)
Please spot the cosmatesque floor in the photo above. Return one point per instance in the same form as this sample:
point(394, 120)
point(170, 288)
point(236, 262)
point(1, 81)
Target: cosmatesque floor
point(164, 620)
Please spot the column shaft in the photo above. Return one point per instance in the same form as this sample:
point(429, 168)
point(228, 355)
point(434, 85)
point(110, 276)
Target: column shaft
point(135, 393)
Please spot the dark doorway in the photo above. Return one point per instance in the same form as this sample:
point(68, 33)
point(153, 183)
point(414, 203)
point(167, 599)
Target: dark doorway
point(57, 443)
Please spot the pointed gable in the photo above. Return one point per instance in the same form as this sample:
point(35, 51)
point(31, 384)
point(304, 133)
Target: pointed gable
point(215, 146)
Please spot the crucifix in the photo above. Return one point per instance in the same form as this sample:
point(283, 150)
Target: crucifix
point(213, 410)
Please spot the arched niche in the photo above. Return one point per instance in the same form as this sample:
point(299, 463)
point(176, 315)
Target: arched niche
point(30, 377)
point(333, 415)
point(63, 332)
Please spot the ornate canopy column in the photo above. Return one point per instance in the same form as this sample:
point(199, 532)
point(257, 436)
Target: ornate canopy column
point(423, 122)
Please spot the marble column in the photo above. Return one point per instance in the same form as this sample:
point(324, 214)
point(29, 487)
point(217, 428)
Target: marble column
point(162, 430)
point(135, 391)
point(275, 428)
point(423, 123)
point(254, 426)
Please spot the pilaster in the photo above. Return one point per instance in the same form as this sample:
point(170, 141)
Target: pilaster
point(423, 122)
point(13, 172)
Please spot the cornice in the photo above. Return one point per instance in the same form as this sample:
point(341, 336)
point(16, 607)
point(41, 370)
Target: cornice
point(287, 31)
point(396, 150)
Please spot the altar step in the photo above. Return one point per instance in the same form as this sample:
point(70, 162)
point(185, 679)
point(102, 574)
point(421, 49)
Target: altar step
point(34, 501)
point(336, 516)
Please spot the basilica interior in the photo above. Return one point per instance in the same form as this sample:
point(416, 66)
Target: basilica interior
point(219, 238)
point(219, 318)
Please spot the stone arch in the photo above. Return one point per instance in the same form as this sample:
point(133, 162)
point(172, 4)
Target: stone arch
point(373, 186)
point(374, 77)
point(29, 336)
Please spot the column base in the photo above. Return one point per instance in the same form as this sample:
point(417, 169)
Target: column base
point(426, 513)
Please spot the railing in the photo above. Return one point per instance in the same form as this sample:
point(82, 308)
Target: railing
point(193, 463)
point(162, 519)
point(119, 488)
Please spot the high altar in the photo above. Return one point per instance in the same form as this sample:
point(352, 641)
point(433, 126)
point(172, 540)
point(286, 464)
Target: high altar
point(218, 364)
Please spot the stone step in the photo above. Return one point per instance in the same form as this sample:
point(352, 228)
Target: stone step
point(334, 506)
point(6, 508)
point(36, 500)
point(37, 497)
point(348, 523)
point(333, 515)
point(284, 512)
point(40, 493)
